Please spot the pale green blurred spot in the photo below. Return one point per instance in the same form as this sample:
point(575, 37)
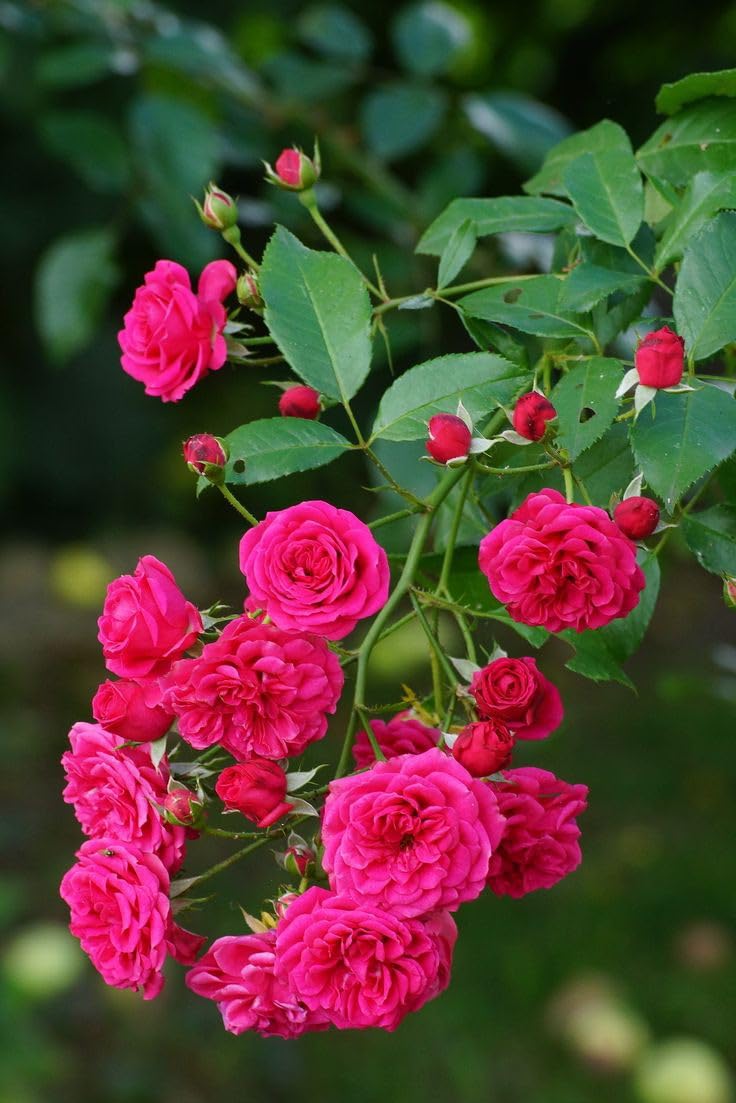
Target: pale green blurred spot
point(79, 575)
point(42, 961)
point(684, 1070)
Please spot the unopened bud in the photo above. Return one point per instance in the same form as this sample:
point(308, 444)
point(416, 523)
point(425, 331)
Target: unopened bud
point(531, 414)
point(298, 859)
point(300, 402)
point(729, 592)
point(205, 455)
point(449, 438)
point(183, 808)
point(294, 171)
point(637, 517)
point(484, 747)
point(219, 210)
point(248, 291)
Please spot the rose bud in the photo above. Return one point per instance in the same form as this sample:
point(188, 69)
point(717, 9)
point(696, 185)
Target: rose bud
point(183, 808)
point(132, 710)
point(660, 359)
point(205, 455)
point(300, 402)
point(484, 747)
point(449, 438)
point(219, 210)
point(248, 291)
point(294, 170)
point(256, 789)
point(531, 414)
point(637, 518)
point(729, 592)
point(297, 860)
point(283, 902)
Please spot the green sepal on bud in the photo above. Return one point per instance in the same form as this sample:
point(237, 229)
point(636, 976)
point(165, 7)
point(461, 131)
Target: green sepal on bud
point(206, 455)
point(219, 210)
point(729, 591)
point(294, 171)
point(248, 291)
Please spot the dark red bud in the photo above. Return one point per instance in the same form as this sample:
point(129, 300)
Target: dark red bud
point(204, 454)
point(484, 747)
point(637, 518)
point(300, 402)
point(449, 438)
point(531, 414)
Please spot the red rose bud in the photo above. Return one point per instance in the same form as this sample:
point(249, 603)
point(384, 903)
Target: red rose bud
point(637, 518)
point(205, 455)
point(729, 592)
point(219, 210)
point(449, 438)
point(660, 359)
point(256, 789)
point(183, 808)
point(294, 171)
point(531, 414)
point(298, 859)
point(248, 291)
point(132, 710)
point(300, 402)
point(484, 747)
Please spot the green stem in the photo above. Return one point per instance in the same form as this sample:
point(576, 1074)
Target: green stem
point(227, 862)
point(236, 504)
point(268, 340)
point(477, 285)
point(515, 470)
point(416, 503)
point(454, 529)
point(309, 200)
point(569, 486)
point(390, 517)
point(434, 643)
point(649, 271)
point(232, 237)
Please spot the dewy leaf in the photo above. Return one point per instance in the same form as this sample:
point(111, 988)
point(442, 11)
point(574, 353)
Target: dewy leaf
point(549, 180)
point(480, 380)
point(711, 536)
point(689, 435)
point(517, 125)
point(456, 253)
point(268, 449)
point(586, 403)
point(706, 193)
point(319, 313)
point(532, 305)
point(696, 86)
point(523, 213)
point(606, 189)
point(702, 138)
point(705, 294)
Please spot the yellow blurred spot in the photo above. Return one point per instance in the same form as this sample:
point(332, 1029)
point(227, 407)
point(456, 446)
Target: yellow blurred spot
point(79, 576)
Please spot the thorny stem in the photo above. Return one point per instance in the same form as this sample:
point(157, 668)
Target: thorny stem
point(309, 200)
point(230, 497)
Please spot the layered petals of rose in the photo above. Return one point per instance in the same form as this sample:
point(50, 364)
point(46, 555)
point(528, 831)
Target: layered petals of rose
point(402, 734)
point(541, 844)
point(358, 965)
point(516, 692)
point(413, 834)
point(173, 337)
point(115, 789)
point(315, 568)
point(238, 973)
point(118, 895)
point(258, 691)
point(560, 565)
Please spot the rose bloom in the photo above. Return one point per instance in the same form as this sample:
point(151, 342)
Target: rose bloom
point(515, 691)
point(120, 912)
point(660, 359)
point(403, 734)
point(358, 965)
point(114, 791)
point(259, 691)
point(146, 621)
point(531, 414)
point(540, 844)
point(132, 710)
point(483, 747)
point(256, 789)
point(561, 565)
point(412, 834)
point(315, 568)
point(173, 337)
point(238, 973)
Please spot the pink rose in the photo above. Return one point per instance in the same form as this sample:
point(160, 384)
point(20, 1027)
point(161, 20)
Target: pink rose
point(360, 966)
point(120, 912)
point(132, 710)
point(238, 973)
point(256, 789)
point(540, 844)
point(171, 337)
point(561, 566)
point(315, 568)
point(483, 747)
point(660, 359)
point(114, 791)
point(403, 734)
point(515, 691)
point(413, 834)
point(258, 691)
point(146, 621)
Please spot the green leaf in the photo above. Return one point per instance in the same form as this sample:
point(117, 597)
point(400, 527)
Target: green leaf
point(588, 284)
point(301, 79)
point(705, 294)
point(319, 313)
point(607, 191)
point(701, 138)
point(480, 379)
point(456, 253)
point(706, 193)
point(711, 537)
point(517, 125)
point(278, 446)
point(549, 180)
point(398, 119)
point(532, 306)
point(496, 216)
point(696, 86)
point(91, 144)
point(428, 36)
point(586, 403)
point(335, 31)
point(682, 438)
point(74, 65)
point(608, 466)
point(73, 283)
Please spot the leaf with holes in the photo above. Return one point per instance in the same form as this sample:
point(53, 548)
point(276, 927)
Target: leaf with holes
point(523, 213)
point(319, 314)
point(696, 86)
point(532, 305)
point(705, 294)
point(706, 193)
point(680, 437)
point(480, 379)
point(701, 138)
point(711, 537)
point(278, 446)
point(586, 403)
point(606, 189)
